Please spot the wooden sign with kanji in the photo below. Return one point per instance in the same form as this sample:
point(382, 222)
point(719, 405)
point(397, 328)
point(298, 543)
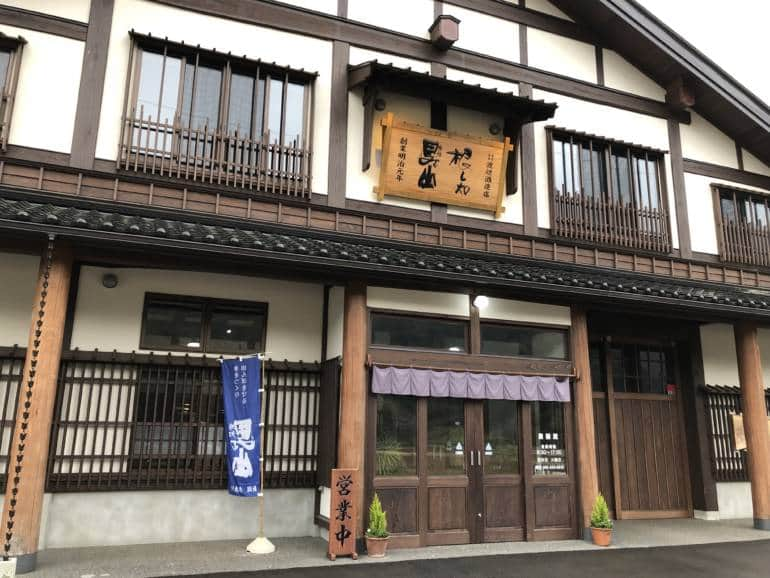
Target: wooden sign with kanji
point(433, 165)
point(343, 515)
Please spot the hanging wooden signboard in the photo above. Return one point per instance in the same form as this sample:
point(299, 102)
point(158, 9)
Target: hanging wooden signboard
point(739, 433)
point(343, 517)
point(433, 165)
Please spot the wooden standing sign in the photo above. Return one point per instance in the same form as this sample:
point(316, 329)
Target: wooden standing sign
point(433, 165)
point(346, 487)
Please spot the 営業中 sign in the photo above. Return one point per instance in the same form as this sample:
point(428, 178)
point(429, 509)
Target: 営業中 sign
point(442, 167)
point(343, 516)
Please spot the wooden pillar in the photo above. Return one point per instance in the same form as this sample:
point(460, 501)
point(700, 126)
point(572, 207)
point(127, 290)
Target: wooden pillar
point(29, 450)
point(351, 433)
point(588, 477)
point(754, 421)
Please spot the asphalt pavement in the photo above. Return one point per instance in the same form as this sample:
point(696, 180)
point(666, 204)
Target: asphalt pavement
point(728, 560)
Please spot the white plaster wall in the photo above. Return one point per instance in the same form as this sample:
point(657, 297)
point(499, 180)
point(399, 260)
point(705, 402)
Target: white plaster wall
point(324, 504)
point(561, 55)
point(483, 81)
point(622, 75)
point(544, 6)
point(753, 165)
point(359, 55)
point(76, 520)
point(702, 141)
point(256, 42)
point(47, 90)
point(19, 275)
point(412, 17)
point(700, 209)
point(603, 121)
point(486, 34)
point(734, 500)
point(525, 312)
point(720, 364)
point(336, 317)
point(418, 301)
point(326, 6)
point(110, 319)
point(71, 9)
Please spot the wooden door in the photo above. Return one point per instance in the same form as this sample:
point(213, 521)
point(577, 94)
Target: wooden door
point(640, 433)
point(497, 495)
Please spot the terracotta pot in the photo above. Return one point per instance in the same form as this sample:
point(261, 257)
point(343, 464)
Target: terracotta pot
point(376, 547)
point(601, 536)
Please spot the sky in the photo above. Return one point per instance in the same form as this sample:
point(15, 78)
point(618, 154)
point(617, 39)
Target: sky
point(729, 33)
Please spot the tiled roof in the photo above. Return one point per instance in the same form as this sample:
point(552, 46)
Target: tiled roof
point(367, 256)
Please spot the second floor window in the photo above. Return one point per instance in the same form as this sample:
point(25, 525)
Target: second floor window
point(10, 63)
point(743, 219)
point(608, 192)
point(201, 115)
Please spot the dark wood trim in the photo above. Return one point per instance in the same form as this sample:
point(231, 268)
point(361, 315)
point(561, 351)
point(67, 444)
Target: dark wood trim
point(325, 322)
point(680, 193)
point(523, 48)
point(72, 299)
point(739, 156)
point(338, 125)
point(438, 69)
point(518, 13)
point(726, 173)
point(599, 65)
point(342, 8)
point(438, 8)
point(46, 23)
point(438, 213)
point(528, 172)
point(86, 128)
point(304, 22)
point(469, 362)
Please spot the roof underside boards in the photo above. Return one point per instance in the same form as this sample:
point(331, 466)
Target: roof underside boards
point(364, 257)
point(659, 52)
point(453, 92)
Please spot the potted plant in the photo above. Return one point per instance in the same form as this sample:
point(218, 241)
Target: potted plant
point(601, 525)
point(377, 532)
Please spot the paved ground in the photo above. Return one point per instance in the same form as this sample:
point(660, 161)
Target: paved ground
point(187, 559)
point(733, 560)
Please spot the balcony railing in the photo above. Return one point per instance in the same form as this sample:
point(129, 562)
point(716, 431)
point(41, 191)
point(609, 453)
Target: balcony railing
point(212, 156)
point(595, 220)
point(745, 243)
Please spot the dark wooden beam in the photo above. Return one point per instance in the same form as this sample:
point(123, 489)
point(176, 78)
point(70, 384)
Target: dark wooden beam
point(40, 22)
point(304, 22)
point(726, 173)
point(342, 8)
point(599, 65)
point(89, 106)
point(680, 194)
point(338, 125)
point(528, 172)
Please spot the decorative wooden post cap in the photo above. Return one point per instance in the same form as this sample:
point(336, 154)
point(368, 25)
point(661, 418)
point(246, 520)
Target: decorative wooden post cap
point(444, 31)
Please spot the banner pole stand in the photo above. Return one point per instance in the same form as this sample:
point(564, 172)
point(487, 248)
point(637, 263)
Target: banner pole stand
point(260, 544)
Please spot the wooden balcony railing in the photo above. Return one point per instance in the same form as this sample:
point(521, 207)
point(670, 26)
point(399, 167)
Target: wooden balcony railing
point(212, 156)
point(585, 218)
point(745, 243)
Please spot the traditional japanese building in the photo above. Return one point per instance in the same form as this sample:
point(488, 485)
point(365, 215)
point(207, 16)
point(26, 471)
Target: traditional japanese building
point(502, 256)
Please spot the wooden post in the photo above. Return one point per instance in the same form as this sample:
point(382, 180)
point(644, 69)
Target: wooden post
point(754, 421)
point(351, 434)
point(588, 477)
point(29, 450)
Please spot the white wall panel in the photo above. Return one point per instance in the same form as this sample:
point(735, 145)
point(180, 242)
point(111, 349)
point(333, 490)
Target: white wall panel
point(561, 55)
point(336, 318)
point(702, 141)
point(111, 318)
point(481, 80)
point(19, 275)
point(525, 312)
point(720, 363)
point(622, 75)
point(753, 165)
point(418, 301)
point(47, 90)
point(412, 17)
point(486, 34)
point(71, 9)
point(327, 6)
point(256, 42)
point(546, 7)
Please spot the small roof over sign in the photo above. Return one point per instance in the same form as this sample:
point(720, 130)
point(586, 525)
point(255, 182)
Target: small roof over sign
point(456, 93)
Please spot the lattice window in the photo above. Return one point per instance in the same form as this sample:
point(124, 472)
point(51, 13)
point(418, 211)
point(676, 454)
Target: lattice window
point(743, 222)
point(10, 64)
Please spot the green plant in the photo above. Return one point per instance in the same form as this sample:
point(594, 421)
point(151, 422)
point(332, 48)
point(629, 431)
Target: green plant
point(600, 514)
point(378, 521)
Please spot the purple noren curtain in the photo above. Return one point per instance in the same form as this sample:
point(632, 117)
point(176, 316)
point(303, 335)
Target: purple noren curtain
point(464, 384)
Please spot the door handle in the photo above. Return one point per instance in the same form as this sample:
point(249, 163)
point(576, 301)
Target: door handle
point(478, 457)
point(471, 452)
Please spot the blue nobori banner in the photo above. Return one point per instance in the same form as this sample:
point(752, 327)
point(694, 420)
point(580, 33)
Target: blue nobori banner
point(241, 381)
